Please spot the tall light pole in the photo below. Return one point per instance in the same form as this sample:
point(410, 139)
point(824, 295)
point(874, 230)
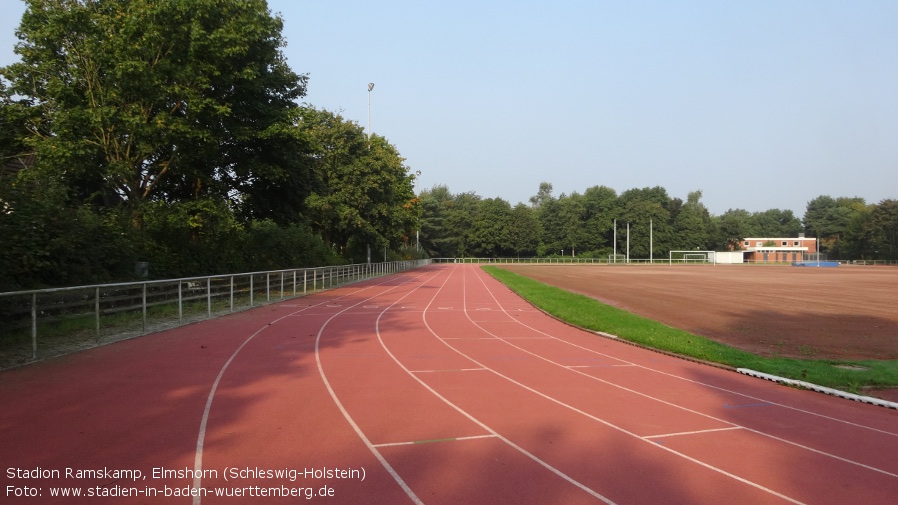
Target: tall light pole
point(417, 216)
point(370, 87)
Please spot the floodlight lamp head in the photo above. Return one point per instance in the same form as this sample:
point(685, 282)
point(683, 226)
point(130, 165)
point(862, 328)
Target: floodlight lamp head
point(370, 86)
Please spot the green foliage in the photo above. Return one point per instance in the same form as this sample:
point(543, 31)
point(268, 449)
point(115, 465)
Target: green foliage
point(883, 229)
point(363, 194)
point(692, 224)
point(490, 233)
point(190, 238)
point(45, 241)
point(730, 228)
point(267, 246)
point(776, 223)
point(169, 132)
point(147, 98)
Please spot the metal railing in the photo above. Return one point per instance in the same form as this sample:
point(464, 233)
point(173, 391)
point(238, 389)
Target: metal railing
point(568, 260)
point(48, 322)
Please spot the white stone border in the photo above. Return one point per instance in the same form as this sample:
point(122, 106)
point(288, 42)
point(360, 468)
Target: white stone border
point(820, 389)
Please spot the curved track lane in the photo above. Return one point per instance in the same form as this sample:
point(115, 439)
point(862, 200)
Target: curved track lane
point(433, 386)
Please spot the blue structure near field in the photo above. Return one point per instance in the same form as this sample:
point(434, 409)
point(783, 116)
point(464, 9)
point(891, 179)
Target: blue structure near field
point(815, 264)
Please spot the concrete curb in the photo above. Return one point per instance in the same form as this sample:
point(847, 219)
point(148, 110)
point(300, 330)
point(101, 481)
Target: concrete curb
point(819, 389)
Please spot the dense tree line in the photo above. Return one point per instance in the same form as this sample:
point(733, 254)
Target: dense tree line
point(170, 131)
point(584, 225)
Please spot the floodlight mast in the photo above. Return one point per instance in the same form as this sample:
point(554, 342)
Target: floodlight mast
point(370, 87)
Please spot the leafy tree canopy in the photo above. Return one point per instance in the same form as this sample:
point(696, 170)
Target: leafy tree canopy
point(155, 98)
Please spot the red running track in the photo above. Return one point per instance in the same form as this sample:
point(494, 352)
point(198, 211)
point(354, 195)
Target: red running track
point(435, 386)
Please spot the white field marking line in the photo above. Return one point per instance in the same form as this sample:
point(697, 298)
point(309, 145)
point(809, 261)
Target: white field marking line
point(712, 386)
point(399, 480)
point(624, 430)
point(201, 437)
point(752, 430)
point(420, 442)
point(473, 419)
point(697, 432)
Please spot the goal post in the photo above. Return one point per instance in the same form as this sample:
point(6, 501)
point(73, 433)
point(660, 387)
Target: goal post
point(692, 257)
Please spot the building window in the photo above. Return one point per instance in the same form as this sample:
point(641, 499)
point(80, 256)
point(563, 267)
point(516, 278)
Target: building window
point(747, 243)
point(759, 243)
point(785, 243)
point(795, 243)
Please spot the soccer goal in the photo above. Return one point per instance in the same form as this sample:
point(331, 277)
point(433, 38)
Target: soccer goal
point(617, 258)
point(692, 257)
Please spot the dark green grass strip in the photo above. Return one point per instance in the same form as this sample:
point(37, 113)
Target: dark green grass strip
point(594, 315)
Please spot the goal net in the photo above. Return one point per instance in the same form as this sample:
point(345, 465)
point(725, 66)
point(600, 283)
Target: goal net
point(691, 257)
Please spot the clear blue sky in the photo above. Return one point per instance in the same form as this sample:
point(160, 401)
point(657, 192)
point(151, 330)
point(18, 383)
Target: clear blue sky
point(759, 104)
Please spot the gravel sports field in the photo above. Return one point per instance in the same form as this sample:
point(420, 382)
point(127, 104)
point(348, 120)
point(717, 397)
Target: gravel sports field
point(844, 313)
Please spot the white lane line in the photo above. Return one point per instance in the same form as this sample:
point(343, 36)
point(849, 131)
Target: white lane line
point(774, 437)
point(393, 473)
point(697, 432)
point(433, 441)
point(201, 436)
point(449, 370)
point(611, 425)
point(622, 365)
point(520, 449)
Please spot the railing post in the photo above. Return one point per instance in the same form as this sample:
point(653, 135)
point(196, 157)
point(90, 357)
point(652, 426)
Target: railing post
point(294, 283)
point(33, 326)
point(97, 312)
point(209, 297)
point(180, 308)
point(232, 293)
point(251, 289)
point(305, 280)
point(267, 286)
point(282, 285)
point(143, 306)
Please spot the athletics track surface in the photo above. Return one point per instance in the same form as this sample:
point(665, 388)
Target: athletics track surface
point(437, 386)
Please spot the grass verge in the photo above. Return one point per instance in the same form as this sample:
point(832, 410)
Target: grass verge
point(592, 314)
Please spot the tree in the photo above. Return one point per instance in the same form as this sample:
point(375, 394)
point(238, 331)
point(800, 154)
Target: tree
point(165, 99)
point(563, 224)
point(490, 234)
point(883, 229)
point(524, 231)
point(730, 229)
point(775, 223)
point(647, 212)
point(829, 219)
point(363, 193)
point(434, 204)
point(600, 212)
point(12, 126)
point(692, 224)
point(542, 196)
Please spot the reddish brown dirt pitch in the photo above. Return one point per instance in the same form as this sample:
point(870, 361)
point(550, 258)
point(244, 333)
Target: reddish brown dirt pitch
point(844, 313)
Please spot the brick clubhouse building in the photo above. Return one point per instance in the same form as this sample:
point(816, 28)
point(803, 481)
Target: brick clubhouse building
point(778, 250)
